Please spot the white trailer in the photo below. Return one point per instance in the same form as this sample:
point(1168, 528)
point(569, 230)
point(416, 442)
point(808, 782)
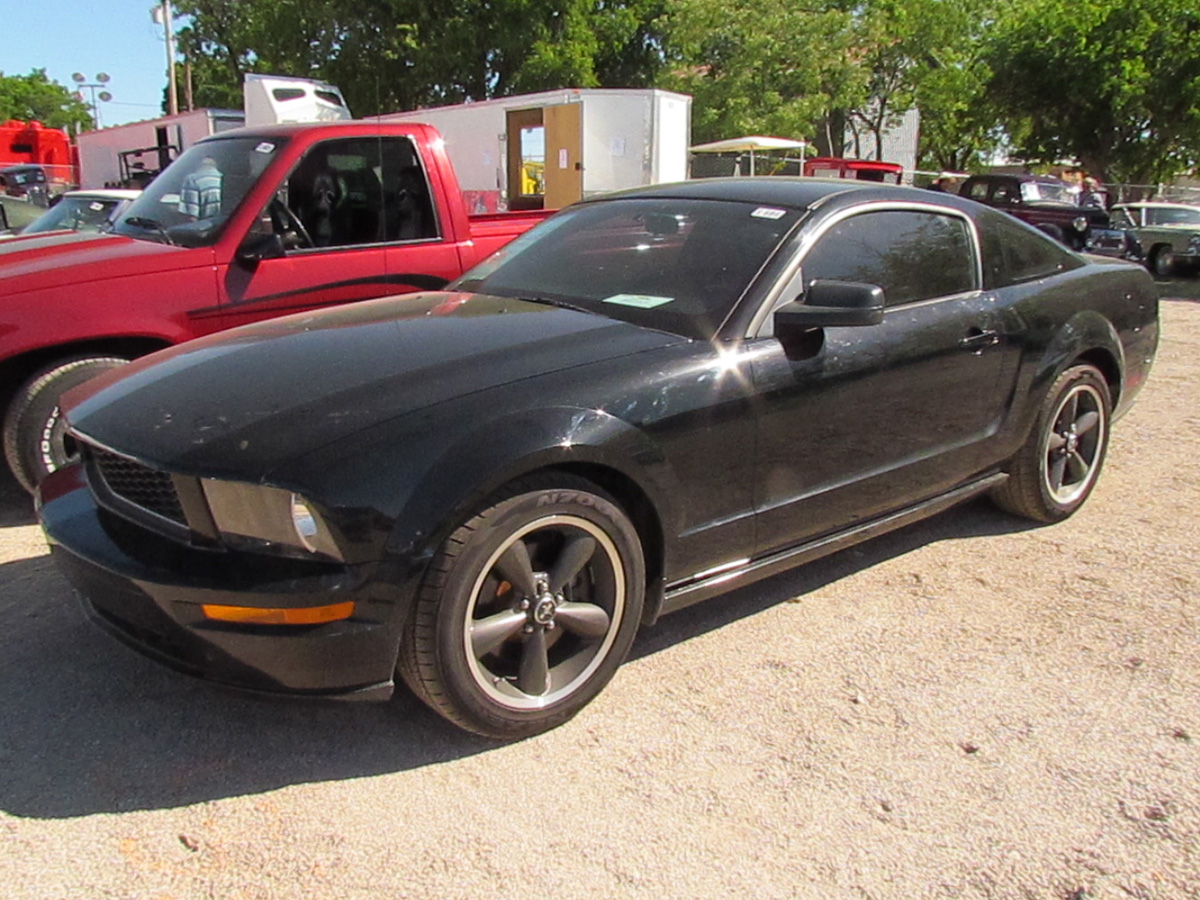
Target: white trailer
point(130, 155)
point(550, 149)
point(111, 157)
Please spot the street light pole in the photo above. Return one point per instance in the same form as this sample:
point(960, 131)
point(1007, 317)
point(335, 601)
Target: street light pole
point(101, 81)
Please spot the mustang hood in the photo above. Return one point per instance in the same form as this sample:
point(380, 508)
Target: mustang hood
point(57, 259)
point(239, 404)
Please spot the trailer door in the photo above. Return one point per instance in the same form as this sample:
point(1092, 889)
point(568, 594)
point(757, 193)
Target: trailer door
point(564, 154)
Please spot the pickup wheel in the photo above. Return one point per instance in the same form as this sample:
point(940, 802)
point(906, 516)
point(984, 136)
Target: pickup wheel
point(527, 610)
point(1054, 472)
point(1162, 261)
point(35, 438)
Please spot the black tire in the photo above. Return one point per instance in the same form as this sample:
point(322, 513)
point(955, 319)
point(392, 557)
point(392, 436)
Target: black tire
point(497, 647)
point(1054, 472)
point(35, 439)
point(1162, 261)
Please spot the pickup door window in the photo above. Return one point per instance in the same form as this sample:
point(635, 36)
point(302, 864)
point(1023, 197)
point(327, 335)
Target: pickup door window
point(357, 220)
point(882, 415)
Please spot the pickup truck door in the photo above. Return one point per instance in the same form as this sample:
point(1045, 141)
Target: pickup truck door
point(884, 415)
point(355, 222)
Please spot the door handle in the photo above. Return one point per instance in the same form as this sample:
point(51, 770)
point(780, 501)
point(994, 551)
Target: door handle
point(978, 338)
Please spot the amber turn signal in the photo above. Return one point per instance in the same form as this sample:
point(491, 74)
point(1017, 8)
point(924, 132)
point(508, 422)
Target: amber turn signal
point(258, 615)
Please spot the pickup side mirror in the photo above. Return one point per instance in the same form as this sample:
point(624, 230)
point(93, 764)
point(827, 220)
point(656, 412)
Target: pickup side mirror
point(256, 249)
point(828, 304)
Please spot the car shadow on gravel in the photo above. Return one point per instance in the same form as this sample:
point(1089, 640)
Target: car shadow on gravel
point(90, 727)
point(978, 518)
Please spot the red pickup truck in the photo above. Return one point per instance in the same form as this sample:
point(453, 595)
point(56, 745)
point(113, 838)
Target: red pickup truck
point(246, 225)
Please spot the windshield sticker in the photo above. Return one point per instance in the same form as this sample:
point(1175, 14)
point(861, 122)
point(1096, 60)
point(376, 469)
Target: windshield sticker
point(264, 147)
point(768, 212)
point(641, 301)
point(95, 206)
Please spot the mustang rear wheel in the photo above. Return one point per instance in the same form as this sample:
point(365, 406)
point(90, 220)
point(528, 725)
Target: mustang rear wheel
point(35, 438)
point(527, 610)
point(1053, 474)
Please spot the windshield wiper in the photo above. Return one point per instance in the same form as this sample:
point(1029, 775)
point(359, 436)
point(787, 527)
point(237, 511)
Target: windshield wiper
point(554, 301)
point(150, 225)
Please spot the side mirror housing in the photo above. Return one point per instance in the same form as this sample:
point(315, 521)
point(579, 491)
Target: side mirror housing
point(829, 304)
point(254, 250)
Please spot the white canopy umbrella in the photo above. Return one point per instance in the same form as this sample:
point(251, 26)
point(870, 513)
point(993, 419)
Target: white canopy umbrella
point(751, 144)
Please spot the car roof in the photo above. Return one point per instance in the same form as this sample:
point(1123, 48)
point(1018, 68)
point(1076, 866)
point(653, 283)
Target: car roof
point(789, 192)
point(1157, 204)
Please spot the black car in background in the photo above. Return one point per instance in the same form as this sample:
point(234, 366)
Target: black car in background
point(28, 181)
point(651, 398)
point(1049, 204)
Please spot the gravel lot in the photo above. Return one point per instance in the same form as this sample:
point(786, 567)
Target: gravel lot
point(968, 708)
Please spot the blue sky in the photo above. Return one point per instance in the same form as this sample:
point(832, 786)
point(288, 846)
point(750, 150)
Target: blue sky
point(91, 36)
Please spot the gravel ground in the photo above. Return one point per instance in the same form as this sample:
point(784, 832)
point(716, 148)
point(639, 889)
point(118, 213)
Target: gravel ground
point(970, 708)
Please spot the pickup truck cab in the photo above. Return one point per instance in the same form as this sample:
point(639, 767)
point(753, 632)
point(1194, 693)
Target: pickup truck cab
point(246, 225)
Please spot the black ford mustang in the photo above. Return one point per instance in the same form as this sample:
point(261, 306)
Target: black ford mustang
point(649, 399)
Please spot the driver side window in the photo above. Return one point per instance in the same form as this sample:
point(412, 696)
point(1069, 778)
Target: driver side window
point(912, 255)
point(354, 192)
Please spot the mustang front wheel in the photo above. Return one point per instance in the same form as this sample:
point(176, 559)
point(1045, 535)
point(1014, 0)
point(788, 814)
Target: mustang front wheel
point(527, 611)
point(1052, 475)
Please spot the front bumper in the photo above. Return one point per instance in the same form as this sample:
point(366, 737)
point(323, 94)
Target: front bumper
point(1111, 242)
point(147, 590)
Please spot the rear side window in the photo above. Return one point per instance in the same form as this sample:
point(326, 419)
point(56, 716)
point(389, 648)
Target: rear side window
point(911, 255)
point(1014, 252)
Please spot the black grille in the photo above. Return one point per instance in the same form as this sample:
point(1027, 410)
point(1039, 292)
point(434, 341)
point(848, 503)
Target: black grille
point(140, 485)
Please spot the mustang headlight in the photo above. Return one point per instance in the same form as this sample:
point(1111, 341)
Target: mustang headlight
point(268, 518)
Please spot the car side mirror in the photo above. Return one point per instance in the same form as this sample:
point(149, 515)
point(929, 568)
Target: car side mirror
point(828, 304)
point(256, 249)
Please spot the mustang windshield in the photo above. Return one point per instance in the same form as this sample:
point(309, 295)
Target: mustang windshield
point(676, 265)
point(194, 196)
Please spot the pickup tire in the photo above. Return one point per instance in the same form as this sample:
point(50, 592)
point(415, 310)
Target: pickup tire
point(35, 439)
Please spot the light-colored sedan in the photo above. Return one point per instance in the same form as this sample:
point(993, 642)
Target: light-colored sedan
point(1168, 232)
point(89, 210)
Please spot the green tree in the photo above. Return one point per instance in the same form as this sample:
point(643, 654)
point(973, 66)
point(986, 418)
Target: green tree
point(763, 66)
point(1112, 83)
point(389, 55)
point(34, 97)
point(914, 53)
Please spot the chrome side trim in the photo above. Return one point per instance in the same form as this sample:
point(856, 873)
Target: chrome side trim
point(683, 594)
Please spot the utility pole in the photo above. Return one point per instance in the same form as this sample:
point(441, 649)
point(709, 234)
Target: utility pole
point(162, 14)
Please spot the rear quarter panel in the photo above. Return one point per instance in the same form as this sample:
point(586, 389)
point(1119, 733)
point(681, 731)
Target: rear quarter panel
point(1106, 311)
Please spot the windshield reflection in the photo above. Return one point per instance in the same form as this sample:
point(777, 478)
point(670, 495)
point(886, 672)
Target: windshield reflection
point(194, 196)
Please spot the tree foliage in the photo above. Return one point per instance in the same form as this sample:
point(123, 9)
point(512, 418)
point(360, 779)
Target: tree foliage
point(34, 97)
point(389, 55)
point(763, 66)
point(1113, 83)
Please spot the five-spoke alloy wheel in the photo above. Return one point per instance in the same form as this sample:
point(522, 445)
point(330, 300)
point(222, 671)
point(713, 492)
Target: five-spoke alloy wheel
point(1053, 473)
point(527, 611)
